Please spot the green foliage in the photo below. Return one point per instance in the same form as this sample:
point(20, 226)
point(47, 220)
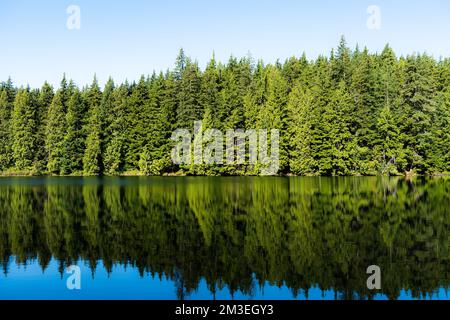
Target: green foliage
point(92, 160)
point(55, 131)
point(74, 139)
point(24, 127)
point(301, 113)
point(352, 113)
point(232, 233)
point(5, 131)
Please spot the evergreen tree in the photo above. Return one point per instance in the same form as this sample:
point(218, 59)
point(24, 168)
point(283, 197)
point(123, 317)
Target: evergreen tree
point(337, 154)
point(273, 114)
point(387, 149)
point(44, 101)
point(153, 159)
point(5, 134)
point(138, 118)
point(56, 130)
point(7, 96)
point(301, 117)
point(24, 128)
point(188, 107)
point(231, 113)
point(74, 138)
point(92, 160)
point(210, 98)
point(115, 151)
point(420, 101)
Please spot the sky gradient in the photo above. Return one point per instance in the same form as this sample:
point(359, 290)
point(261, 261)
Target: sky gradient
point(125, 39)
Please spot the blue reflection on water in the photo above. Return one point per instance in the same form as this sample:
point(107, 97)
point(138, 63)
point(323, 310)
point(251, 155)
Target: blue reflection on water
point(30, 282)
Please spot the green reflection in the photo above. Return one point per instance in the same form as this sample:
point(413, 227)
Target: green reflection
point(298, 232)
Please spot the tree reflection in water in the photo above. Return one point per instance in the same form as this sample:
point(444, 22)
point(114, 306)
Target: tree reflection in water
point(298, 232)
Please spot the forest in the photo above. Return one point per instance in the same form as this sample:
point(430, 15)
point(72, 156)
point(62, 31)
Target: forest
point(351, 112)
point(300, 232)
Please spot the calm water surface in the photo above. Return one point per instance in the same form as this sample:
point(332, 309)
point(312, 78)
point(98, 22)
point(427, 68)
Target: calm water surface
point(224, 238)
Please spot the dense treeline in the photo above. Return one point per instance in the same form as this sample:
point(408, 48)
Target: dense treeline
point(353, 112)
point(238, 233)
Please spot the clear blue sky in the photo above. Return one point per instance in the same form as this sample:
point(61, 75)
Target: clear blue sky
point(125, 39)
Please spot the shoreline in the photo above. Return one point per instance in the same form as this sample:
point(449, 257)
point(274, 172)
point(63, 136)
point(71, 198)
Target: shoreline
point(174, 174)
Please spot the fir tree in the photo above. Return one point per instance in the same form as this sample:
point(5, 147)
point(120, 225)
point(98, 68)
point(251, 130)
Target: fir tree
point(24, 128)
point(74, 139)
point(92, 160)
point(56, 130)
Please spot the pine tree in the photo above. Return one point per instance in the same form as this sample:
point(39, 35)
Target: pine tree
point(387, 149)
point(153, 159)
point(74, 139)
point(115, 150)
point(273, 114)
point(231, 113)
point(188, 106)
point(24, 128)
point(363, 119)
point(92, 155)
point(56, 130)
point(256, 96)
point(138, 123)
point(180, 65)
point(340, 63)
point(337, 154)
point(44, 101)
point(420, 102)
point(7, 96)
point(106, 108)
point(92, 160)
point(210, 98)
point(5, 134)
point(301, 117)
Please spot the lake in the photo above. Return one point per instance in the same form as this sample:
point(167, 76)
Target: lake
point(224, 237)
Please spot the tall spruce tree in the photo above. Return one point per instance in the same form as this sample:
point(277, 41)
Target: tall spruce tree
point(420, 102)
point(74, 139)
point(189, 108)
point(7, 96)
point(301, 118)
point(115, 150)
point(24, 129)
point(153, 158)
point(43, 103)
point(138, 118)
point(56, 130)
point(92, 159)
point(5, 134)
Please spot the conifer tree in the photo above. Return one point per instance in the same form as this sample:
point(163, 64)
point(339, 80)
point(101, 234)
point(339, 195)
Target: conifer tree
point(5, 134)
point(24, 130)
point(44, 101)
point(139, 102)
point(419, 94)
point(92, 160)
point(301, 117)
point(188, 98)
point(153, 159)
point(273, 114)
point(210, 98)
point(115, 150)
point(56, 130)
point(74, 139)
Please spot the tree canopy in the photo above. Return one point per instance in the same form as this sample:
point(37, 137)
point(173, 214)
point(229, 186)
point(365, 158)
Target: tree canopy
point(349, 113)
